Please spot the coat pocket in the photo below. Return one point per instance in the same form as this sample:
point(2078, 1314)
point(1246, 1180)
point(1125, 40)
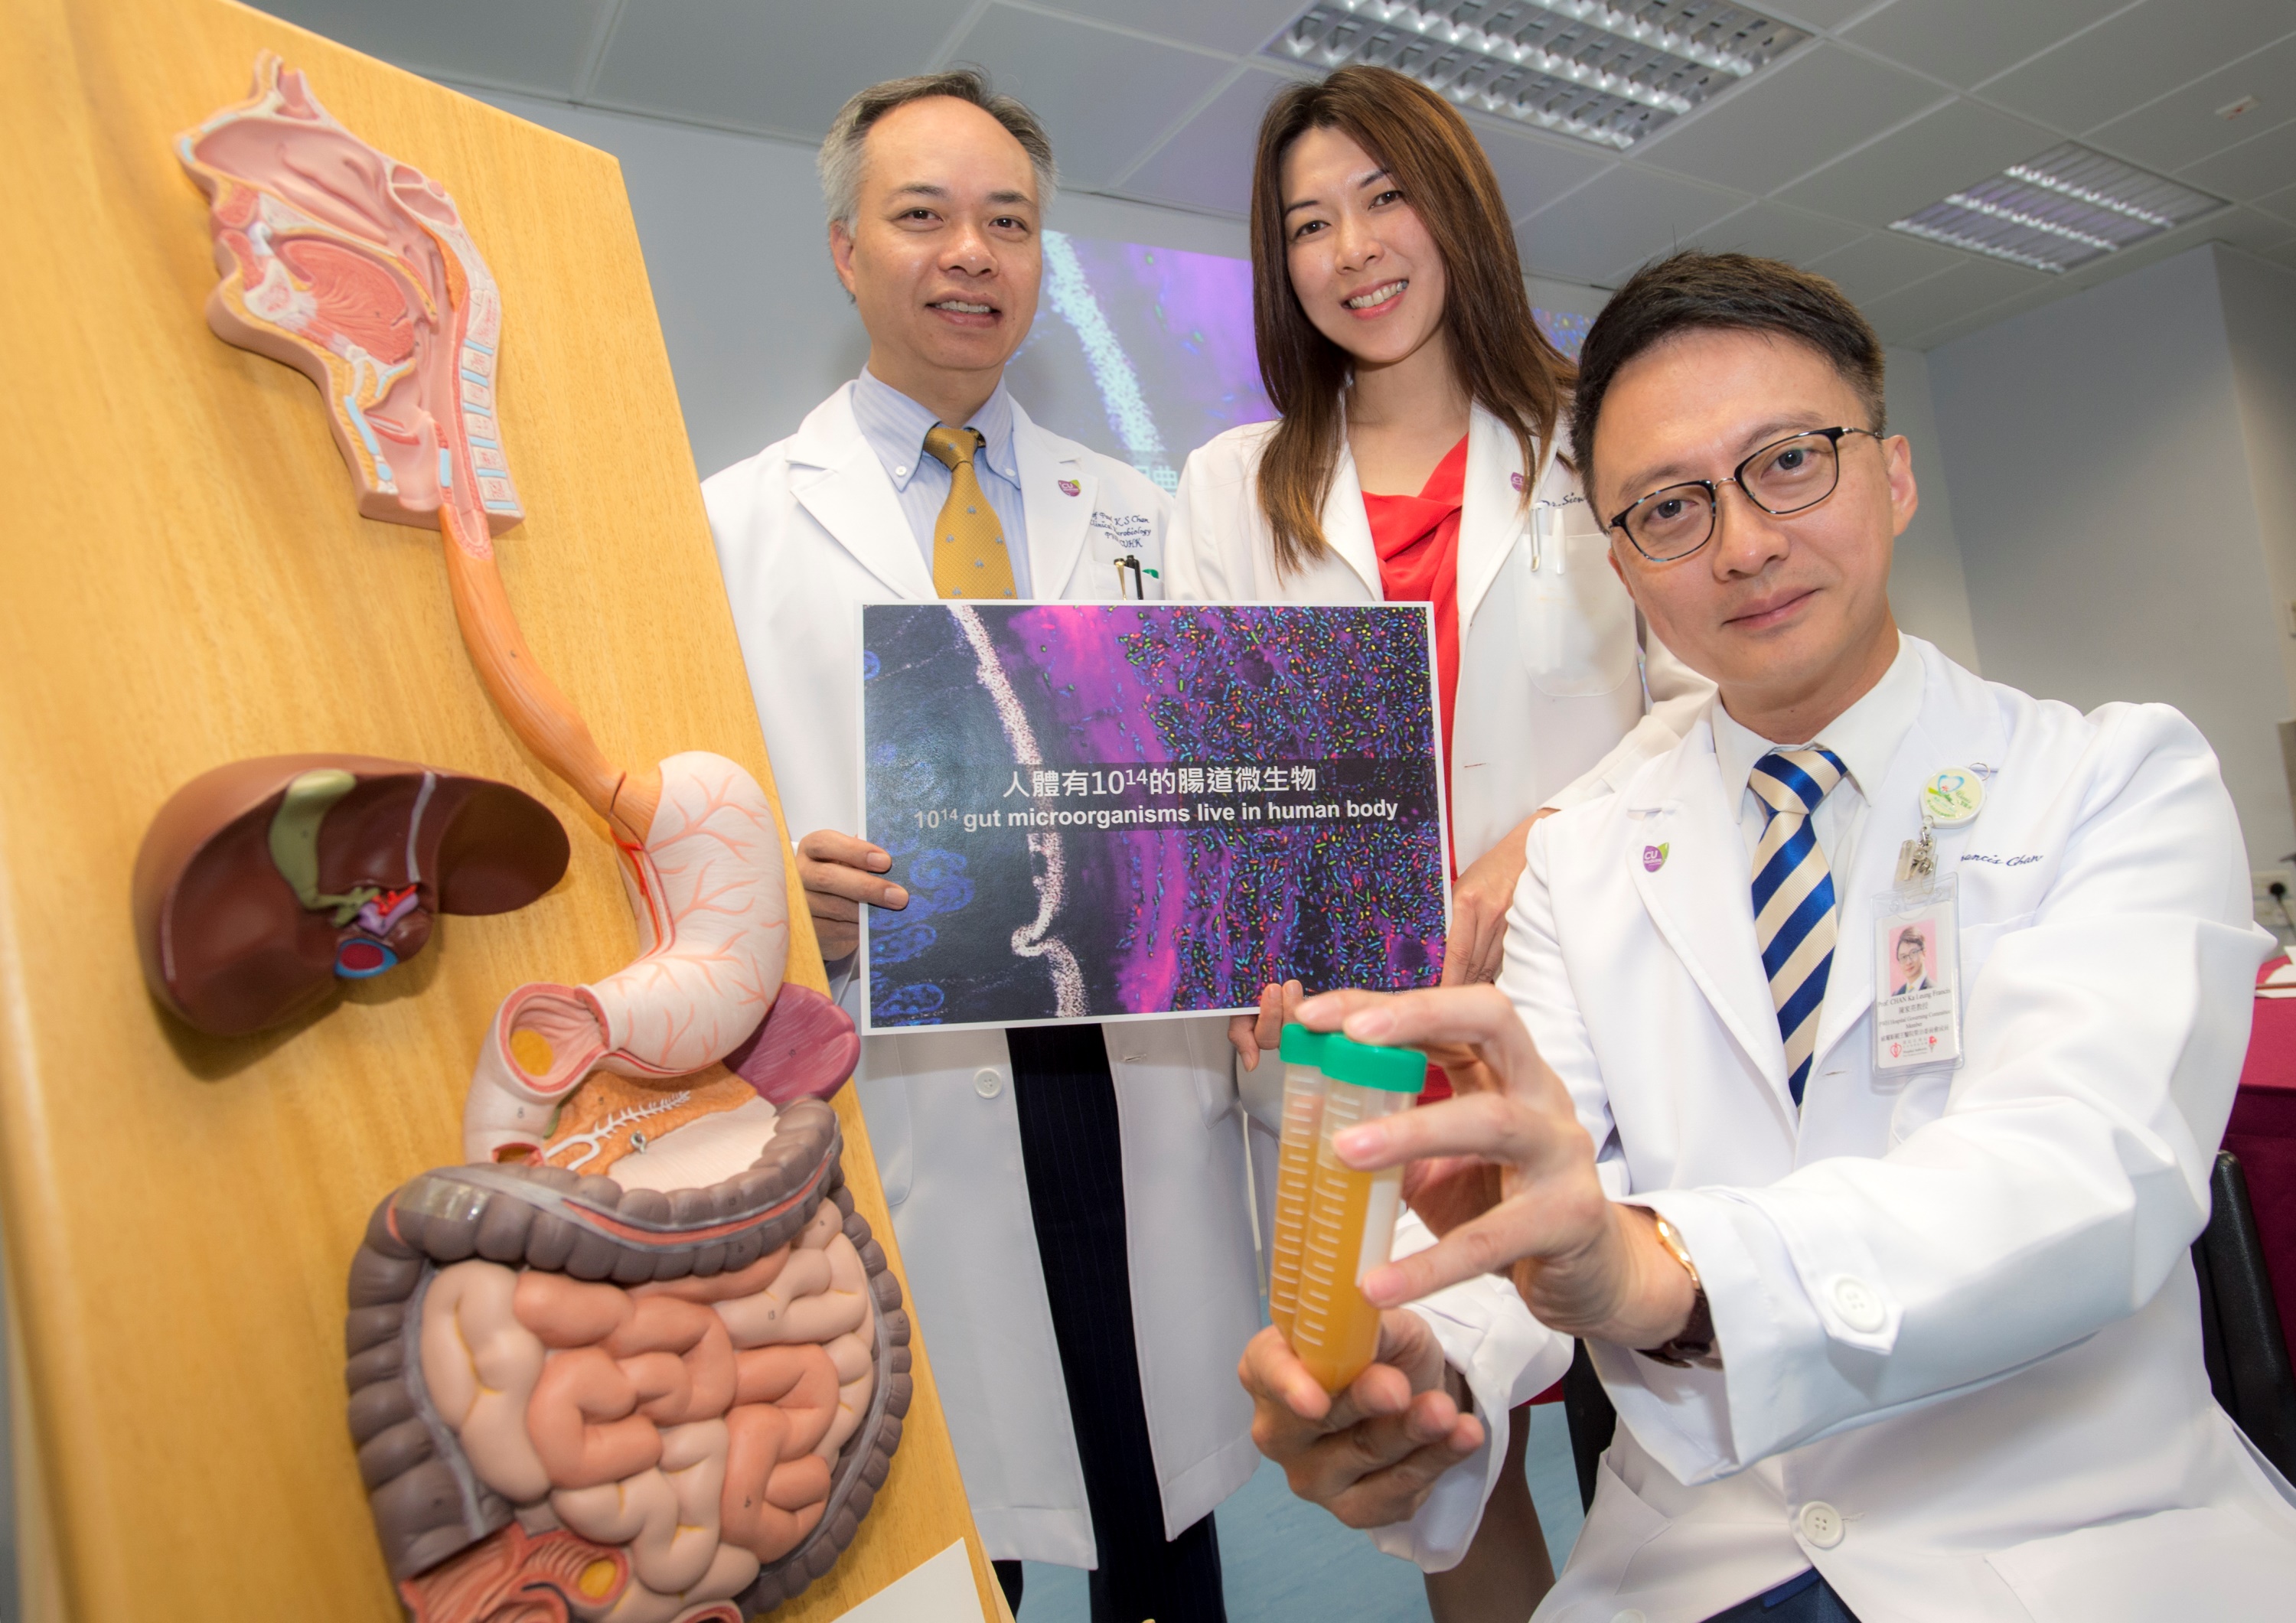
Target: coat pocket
point(1577, 622)
point(2187, 1564)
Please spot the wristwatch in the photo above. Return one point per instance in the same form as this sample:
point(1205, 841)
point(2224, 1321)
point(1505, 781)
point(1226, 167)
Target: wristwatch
point(1694, 1344)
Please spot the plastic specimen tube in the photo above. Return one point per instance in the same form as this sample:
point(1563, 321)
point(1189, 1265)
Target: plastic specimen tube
point(1295, 1168)
point(1350, 1215)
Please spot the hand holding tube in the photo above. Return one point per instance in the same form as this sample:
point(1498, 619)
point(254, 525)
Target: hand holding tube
point(1369, 1455)
point(1586, 1265)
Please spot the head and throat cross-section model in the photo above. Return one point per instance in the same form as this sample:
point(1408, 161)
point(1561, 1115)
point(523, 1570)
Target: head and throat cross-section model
point(638, 1359)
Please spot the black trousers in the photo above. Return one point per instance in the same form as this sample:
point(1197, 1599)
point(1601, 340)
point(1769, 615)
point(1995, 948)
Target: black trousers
point(1071, 1146)
point(1807, 1599)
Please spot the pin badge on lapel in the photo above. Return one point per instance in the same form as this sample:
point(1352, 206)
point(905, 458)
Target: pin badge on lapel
point(1952, 797)
point(1654, 858)
point(1070, 487)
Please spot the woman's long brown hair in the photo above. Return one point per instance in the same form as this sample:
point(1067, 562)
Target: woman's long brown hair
point(1504, 362)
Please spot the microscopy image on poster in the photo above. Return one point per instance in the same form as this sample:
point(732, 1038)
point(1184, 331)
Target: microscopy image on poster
point(1111, 810)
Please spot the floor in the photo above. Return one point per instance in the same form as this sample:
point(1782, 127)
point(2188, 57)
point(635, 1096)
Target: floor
point(1286, 1561)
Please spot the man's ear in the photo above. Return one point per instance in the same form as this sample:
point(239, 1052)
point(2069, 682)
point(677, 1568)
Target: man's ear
point(840, 254)
point(1618, 569)
point(1904, 500)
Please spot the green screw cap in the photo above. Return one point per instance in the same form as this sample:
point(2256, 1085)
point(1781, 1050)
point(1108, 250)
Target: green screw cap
point(1302, 1046)
point(1396, 1070)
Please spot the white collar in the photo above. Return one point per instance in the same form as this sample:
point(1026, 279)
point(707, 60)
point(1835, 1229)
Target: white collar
point(1865, 736)
point(895, 427)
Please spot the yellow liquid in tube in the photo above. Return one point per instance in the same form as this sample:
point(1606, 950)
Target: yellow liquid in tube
point(1349, 1230)
point(1295, 1173)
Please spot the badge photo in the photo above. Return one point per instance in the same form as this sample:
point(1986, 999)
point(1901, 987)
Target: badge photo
point(1917, 980)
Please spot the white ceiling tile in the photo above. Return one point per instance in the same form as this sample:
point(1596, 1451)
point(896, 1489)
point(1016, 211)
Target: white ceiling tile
point(1618, 220)
point(1534, 171)
point(1964, 42)
point(2281, 203)
point(1817, 14)
point(1236, 26)
point(1788, 120)
point(1875, 267)
point(2285, 255)
point(1959, 145)
point(1105, 96)
point(783, 66)
point(2126, 61)
point(2184, 127)
point(2258, 166)
point(1972, 285)
point(528, 44)
point(1771, 230)
point(1207, 164)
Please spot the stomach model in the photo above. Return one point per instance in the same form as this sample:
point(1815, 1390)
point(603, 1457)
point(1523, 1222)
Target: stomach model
point(638, 1360)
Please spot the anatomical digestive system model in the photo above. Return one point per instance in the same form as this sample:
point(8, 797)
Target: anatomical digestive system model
point(638, 1359)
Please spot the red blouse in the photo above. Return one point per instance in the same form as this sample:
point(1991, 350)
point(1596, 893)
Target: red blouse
point(1417, 539)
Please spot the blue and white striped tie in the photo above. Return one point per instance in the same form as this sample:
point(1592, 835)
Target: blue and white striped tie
point(1794, 896)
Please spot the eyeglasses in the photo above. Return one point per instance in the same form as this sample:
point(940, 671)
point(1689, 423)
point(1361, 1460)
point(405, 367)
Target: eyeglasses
point(1784, 477)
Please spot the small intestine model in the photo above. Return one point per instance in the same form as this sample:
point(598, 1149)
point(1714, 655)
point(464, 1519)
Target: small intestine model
point(637, 1359)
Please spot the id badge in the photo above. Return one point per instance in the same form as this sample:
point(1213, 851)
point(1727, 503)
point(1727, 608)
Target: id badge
point(1917, 976)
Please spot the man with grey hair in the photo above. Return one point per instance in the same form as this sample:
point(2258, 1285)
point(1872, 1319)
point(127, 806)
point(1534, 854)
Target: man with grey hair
point(1072, 1203)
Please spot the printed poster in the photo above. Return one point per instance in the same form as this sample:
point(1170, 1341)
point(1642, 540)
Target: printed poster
point(1118, 810)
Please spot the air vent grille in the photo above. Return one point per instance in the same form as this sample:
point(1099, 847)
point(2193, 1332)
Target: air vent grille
point(1599, 72)
point(2062, 210)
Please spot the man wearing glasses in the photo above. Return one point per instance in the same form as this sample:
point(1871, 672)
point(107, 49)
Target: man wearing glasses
point(1890, 1335)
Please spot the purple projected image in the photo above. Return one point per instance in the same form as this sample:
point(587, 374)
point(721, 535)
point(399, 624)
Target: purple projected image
point(1153, 343)
point(1566, 332)
point(1102, 810)
point(1145, 353)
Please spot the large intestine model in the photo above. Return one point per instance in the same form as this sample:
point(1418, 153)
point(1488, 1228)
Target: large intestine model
point(638, 1359)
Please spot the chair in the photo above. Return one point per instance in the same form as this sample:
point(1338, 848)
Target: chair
point(2241, 1342)
point(2240, 1338)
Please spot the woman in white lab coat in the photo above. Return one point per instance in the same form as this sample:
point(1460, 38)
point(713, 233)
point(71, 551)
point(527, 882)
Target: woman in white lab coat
point(1417, 459)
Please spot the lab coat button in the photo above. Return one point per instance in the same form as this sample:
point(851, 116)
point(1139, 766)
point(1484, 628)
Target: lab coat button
point(1821, 1524)
point(989, 1082)
point(1628, 1616)
point(1859, 1304)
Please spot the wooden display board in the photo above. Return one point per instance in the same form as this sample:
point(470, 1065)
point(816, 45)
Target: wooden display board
point(188, 583)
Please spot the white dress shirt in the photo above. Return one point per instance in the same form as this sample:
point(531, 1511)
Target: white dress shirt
point(1863, 738)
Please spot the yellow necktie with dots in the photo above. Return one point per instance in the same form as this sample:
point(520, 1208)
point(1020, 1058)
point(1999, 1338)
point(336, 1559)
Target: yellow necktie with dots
point(968, 559)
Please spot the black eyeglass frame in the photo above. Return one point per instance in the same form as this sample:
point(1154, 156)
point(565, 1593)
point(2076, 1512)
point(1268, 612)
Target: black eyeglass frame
point(1713, 489)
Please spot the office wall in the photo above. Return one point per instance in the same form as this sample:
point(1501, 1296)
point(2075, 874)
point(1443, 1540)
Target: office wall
point(2259, 310)
point(758, 328)
point(2106, 503)
point(1927, 589)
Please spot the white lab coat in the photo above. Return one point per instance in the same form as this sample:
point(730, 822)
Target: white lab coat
point(1963, 1374)
point(808, 530)
point(1553, 669)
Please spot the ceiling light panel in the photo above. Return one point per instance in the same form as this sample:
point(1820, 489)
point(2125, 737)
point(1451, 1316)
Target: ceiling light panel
point(2064, 209)
point(1606, 73)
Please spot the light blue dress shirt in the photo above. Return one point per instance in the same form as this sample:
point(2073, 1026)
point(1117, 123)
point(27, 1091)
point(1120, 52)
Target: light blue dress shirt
point(895, 426)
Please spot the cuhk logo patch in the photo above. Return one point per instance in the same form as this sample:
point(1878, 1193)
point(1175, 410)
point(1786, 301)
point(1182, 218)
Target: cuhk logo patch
point(1070, 487)
point(1516, 480)
point(1653, 857)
